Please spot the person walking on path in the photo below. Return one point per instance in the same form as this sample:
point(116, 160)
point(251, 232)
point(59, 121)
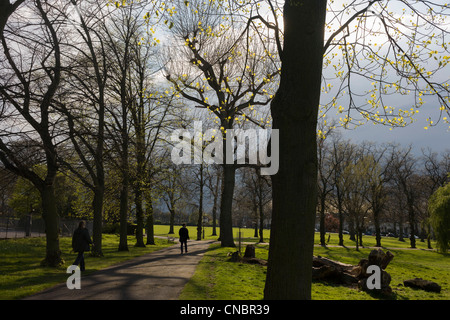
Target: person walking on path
point(184, 237)
point(80, 243)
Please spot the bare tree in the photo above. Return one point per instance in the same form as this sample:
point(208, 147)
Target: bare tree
point(173, 187)
point(82, 101)
point(325, 174)
point(378, 177)
point(31, 63)
point(404, 172)
point(436, 173)
point(355, 183)
point(121, 34)
point(221, 67)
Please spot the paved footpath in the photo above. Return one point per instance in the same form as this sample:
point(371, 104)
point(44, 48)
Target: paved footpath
point(160, 275)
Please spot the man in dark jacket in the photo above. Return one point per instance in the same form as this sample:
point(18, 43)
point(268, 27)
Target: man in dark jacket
point(80, 243)
point(184, 236)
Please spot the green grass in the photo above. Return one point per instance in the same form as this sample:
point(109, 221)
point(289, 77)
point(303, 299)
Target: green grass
point(407, 264)
point(217, 278)
point(21, 274)
point(370, 241)
point(246, 233)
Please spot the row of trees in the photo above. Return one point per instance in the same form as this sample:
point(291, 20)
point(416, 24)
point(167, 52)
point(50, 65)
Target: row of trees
point(78, 97)
point(83, 97)
point(369, 185)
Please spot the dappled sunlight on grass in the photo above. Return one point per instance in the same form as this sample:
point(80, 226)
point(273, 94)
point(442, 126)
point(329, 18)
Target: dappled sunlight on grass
point(217, 278)
point(23, 275)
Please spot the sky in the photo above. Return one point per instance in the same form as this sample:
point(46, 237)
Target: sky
point(437, 138)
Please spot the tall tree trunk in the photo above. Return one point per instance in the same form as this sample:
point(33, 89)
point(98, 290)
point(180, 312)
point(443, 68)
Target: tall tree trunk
point(200, 206)
point(138, 118)
point(123, 243)
point(149, 214)
point(341, 223)
point(139, 216)
point(255, 214)
point(137, 113)
point(228, 183)
point(214, 209)
point(429, 236)
point(261, 209)
point(322, 221)
point(400, 230)
point(412, 226)
point(214, 217)
point(294, 112)
point(357, 239)
point(97, 205)
point(376, 220)
point(351, 227)
point(172, 220)
point(123, 213)
point(226, 204)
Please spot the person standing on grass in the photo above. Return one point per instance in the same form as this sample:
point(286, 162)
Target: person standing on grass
point(80, 243)
point(184, 237)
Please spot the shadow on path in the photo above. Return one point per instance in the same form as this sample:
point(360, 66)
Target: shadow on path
point(160, 275)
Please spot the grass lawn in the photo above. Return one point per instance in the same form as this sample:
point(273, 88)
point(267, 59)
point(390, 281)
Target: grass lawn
point(218, 279)
point(21, 274)
point(247, 235)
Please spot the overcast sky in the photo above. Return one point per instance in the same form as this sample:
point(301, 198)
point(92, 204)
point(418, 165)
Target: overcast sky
point(437, 138)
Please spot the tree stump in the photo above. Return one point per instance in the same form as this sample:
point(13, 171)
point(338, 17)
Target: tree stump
point(249, 251)
point(235, 257)
point(249, 256)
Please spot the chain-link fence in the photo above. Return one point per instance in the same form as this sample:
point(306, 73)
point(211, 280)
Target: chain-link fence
point(12, 227)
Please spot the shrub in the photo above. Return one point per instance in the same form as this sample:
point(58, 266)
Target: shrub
point(439, 207)
point(111, 228)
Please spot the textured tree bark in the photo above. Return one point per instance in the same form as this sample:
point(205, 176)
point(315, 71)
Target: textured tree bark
point(138, 199)
point(376, 218)
point(322, 221)
point(123, 239)
point(200, 206)
point(51, 219)
point(149, 226)
point(97, 205)
point(294, 111)
point(214, 209)
point(226, 221)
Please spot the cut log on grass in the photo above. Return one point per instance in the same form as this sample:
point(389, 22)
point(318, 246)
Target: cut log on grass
point(341, 267)
point(418, 283)
point(325, 269)
point(347, 274)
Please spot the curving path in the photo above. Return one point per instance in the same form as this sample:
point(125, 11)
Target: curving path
point(160, 275)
